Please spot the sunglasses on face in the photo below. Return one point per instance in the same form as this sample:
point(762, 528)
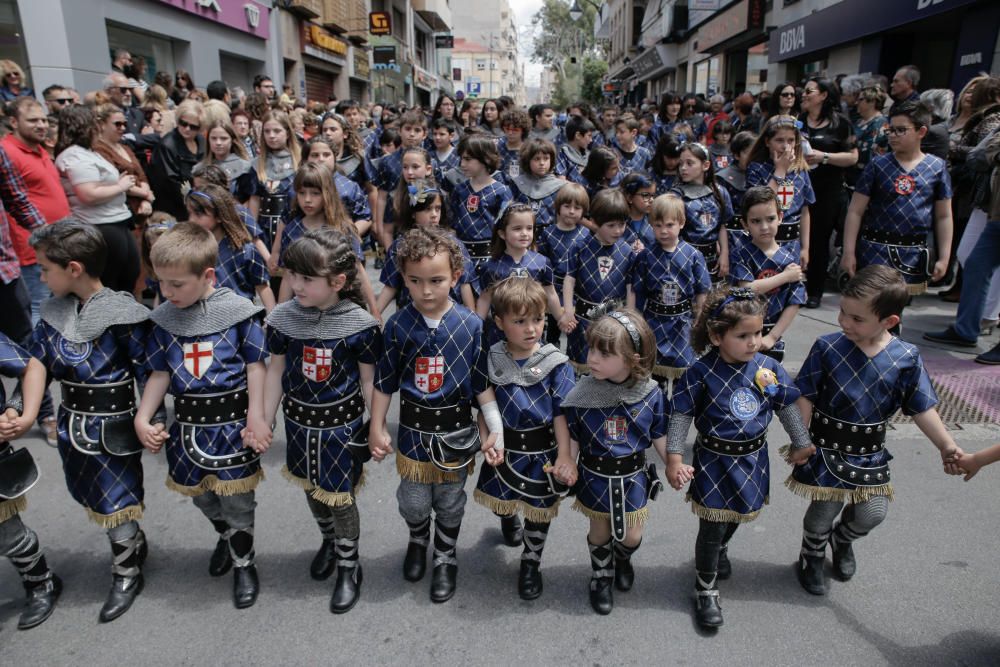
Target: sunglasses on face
point(62, 100)
point(120, 124)
point(124, 89)
point(187, 125)
point(788, 94)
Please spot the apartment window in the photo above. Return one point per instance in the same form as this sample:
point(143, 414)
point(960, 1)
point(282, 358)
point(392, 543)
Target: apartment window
point(399, 25)
point(480, 65)
point(421, 48)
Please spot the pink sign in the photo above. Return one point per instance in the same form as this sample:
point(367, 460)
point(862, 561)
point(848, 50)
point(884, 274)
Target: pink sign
point(243, 15)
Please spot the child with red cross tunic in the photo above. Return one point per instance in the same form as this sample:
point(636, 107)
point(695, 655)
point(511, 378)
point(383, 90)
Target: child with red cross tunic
point(207, 350)
point(434, 358)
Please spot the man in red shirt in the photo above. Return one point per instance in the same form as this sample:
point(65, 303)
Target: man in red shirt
point(28, 156)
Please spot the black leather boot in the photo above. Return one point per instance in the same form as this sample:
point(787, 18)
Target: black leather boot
point(415, 562)
point(221, 560)
point(708, 611)
point(529, 580)
point(41, 586)
point(810, 574)
point(844, 565)
point(324, 562)
point(347, 590)
point(445, 575)
point(601, 581)
point(725, 567)
point(127, 581)
point(40, 602)
point(444, 581)
point(513, 533)
point(246, 584)
point(624, 574)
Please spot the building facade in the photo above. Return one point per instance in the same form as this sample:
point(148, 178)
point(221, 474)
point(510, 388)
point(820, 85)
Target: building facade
point(488, 58)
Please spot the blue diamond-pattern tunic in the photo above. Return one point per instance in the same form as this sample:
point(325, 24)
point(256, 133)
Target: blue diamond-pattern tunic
point(475, 212)
point(241, 270)
point(901, 202)
point(843, 382)
point(637, 161)
point(556, 244)
point(750, 263)
point(792, 203)
point(670, 277)
point(601, 273)
point(726, 404)
point(392, 276)
point(388, 171)
point(705, 219)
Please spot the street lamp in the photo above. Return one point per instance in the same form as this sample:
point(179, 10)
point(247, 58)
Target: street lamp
point(575, 12)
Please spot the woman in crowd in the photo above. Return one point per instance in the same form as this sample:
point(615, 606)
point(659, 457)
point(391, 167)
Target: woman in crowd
point(178, 152)
point(13, 86)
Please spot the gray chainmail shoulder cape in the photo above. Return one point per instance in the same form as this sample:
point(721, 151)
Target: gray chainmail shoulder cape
point(222, 309)
point(504, 370)
point(348, 164)
point(694, 190)
point(591, 393)
point(538, 188)
point(279, 165)
point(574, 156)
point(342, 320)
point(234, 166)
point(107, 308)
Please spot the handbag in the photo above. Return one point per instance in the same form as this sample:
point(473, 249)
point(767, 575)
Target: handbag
point(453, 451)
point(18, 472)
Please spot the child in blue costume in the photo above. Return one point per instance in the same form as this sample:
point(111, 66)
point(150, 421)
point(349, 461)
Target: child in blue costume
point(631, 156)
point(536, 183)
point(669, 284)
point(898, 200)
point(516, 126)
point(599, 270)
point(602, 171)
point(664, 163)
point(241, 267)
point(769, 268)
point(513, 254)
point(227, 151)
point(207, 349)
point(434, 357)
point(777, 162)
point(476, 204)
point(614, 415)
point(18, 474)
point(321, 150)
point(852, 383)
point(324, 347)
point(733, 179)
point(276, 165)
point(413, 131)
point(91, 340)
point(731, 393)
point(572, 156)
point(530, 380)
point(556, 241)
point(444, 157)
point(707, 209)
point(639, 191)
point(423, 206)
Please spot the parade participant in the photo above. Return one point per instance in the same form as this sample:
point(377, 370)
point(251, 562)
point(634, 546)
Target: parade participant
point(734, 179)
point(277, 162)
point(707, 209)
point(669, 283)
point(664, 163)
point(768, 268)
point(731, 394)
point(512, 253)
point(489, 118)
point(718, 149)
point(155, 226)
point(601, 172)
point(477, 203)
point(572, 155)
point(413, 131)
point(435, 359)
point(18, 542)
point(536, 183)
point(228, 152)
point(324, 347)
point(530, 381)
point(542, 126)
point(556, 241)
point(240, 266)
point(896, 199)
point(423, 206)
point(322, 150)
point(614, 415)
point(852, 383)
point(207, 349)
point(444, 157)
point(632, 157)
point(348, 151)
point(91, 339)
point(516, 128)
point(639, 191)
point(203, 175)
point(599, 270)
point(777, 162)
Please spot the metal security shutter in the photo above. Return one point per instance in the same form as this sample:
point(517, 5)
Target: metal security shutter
point(319, 85)
point(358, 89)
point(235, 71)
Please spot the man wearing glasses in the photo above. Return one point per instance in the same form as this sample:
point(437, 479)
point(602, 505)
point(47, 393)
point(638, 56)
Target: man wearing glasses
point(119, 90)
point(57, 98)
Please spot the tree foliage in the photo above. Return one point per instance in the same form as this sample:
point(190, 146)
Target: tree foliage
point(559, 40)
point(594, 70)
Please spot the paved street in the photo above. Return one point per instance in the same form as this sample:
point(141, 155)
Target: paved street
point(926, 592)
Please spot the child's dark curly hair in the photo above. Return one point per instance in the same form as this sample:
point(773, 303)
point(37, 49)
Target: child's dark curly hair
point(326, 253)
point(724, 308)
point(421, 242)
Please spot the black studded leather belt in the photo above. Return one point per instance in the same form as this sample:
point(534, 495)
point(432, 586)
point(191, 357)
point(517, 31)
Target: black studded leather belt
point(731, 447)
point(99, 399)
point(788, 231)
point(273, 204)
point(211, 409)
point(434, 419)
point(529, 441)
point(478, 249)
point(657, 308)
point(891, 238)
point(847, 437)
point(610, 466)
point(324, 415)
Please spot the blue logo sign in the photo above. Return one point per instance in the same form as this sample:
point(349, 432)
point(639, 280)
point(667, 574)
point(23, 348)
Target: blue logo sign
point(744, 404)
point(74, 353)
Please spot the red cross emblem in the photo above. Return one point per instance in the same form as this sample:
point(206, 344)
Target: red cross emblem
point(615, 428)
point(904, 185)
point(472, 203)
point(786, 194)
point(429, 373)
point(604, 266)
point(768, 273)
point(317, 363)
point(723, 161)
point(197, 358)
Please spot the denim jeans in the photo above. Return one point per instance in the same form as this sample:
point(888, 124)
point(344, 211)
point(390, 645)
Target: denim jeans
point(37, 290)
point(977, 273)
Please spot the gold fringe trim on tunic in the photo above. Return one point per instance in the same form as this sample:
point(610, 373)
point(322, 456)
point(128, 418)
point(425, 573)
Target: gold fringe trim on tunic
point(108, 521)
point(721, 516)
point(331, 498)
point(425, 472)
point(220, 487)
point(8, 508)
point(916, 288)
point(511, 507)
point(632, 519)
point(668, 372)
point(850, 496)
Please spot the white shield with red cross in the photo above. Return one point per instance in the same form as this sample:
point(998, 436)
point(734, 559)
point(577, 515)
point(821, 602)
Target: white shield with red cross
point(317, 363)
point(615, 428)
point(429, 373)
point(197, 358)
point(904, 185)
point(786, 195)
point(604, 266)
point(472, 203)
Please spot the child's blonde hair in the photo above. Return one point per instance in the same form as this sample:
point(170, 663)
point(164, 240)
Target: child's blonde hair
point(668, 207)
point(220, 204)
point(616, 334)
point(291, 143)
point(186, 246)
point(517, 296)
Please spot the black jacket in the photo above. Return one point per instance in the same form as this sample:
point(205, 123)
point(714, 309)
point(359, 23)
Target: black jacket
point(169, 167)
